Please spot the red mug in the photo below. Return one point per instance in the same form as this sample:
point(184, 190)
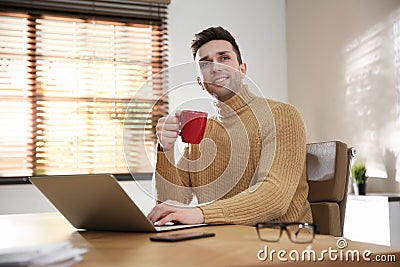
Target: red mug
point(193, 125)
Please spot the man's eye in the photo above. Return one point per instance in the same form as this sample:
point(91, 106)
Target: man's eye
point(204, 64)
point(224, 58)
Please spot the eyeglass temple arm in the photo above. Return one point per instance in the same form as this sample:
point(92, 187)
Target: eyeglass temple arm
point(315, 228)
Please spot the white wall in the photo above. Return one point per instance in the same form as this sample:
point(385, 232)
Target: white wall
point(342, 78)
point(259, 27)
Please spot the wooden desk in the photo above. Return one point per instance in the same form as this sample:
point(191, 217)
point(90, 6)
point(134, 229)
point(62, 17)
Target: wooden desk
point(232, 246)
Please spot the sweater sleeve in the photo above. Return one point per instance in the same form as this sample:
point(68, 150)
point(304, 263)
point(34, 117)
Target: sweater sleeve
point(276, 188)
point(172, 182)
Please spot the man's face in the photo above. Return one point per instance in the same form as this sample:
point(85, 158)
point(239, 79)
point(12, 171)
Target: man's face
point(220, 70)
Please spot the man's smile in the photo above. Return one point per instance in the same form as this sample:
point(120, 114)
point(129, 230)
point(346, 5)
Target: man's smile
point(219, 81)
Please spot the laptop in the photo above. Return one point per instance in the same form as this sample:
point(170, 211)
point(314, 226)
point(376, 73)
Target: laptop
point(97, 202)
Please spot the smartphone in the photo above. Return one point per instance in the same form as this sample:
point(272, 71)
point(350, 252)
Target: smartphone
point(180, 236)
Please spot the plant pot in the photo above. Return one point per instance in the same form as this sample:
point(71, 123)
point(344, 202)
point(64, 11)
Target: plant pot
point(360, 189)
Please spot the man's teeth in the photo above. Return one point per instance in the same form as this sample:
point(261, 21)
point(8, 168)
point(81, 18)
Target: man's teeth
point(220, 80)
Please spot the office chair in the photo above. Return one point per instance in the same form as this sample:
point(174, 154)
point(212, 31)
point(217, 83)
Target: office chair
point(328, 172)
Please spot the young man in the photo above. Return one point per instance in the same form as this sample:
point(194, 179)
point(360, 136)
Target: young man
point(250, 166)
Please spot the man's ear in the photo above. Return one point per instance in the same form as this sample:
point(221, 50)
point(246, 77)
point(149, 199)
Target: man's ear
point(243, 70)
point(200, 83)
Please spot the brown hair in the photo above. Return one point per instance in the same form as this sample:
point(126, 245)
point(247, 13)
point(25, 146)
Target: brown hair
point(214, 33)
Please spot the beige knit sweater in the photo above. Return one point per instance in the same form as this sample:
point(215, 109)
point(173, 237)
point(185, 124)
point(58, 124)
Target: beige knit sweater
point(249, 168)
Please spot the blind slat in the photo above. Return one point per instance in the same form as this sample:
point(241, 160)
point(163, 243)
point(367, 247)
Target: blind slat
point(152, 10)
point(70, 90)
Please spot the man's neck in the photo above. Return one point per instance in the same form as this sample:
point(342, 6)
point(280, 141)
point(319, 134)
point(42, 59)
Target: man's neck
point(232, 94)
point(236, 102)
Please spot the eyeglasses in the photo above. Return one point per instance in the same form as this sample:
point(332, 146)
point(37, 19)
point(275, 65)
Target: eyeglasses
point(298, 232)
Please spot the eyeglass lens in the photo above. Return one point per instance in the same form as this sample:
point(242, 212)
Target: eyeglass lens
point(270, 233)
point(298, 233)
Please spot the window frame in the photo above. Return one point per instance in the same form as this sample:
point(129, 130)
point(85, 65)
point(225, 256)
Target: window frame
point(121, 176)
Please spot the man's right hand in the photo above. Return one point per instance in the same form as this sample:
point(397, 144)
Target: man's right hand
point(167, 131)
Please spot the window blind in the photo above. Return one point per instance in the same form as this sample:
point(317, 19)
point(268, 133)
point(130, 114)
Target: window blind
point(65, 85)
point(136, 9)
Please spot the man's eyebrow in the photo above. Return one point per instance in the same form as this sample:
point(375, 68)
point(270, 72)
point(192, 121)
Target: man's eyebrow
point(224, 52)
point(203, 58)
point(218, 53)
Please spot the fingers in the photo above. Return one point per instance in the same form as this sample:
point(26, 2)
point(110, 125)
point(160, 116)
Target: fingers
point(167, 131)
point(178, 113)
point(162, 215)
point(168, 124)
point(160, 211)
point(174, 128)
point(151, 214)
point(171, 211)
point(169, 134)
point(171, 217)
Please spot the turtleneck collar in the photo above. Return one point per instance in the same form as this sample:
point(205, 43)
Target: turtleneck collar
point(236, 102)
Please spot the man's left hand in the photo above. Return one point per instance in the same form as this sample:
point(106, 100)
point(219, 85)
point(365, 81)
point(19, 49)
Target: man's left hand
point(172, 211)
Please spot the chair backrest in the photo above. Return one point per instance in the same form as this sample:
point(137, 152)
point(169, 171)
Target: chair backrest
point(328, 172)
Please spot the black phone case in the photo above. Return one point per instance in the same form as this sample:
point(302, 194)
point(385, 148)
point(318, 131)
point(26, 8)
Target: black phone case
point(180, 237)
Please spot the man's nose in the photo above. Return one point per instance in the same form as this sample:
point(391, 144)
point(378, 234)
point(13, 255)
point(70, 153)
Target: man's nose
point(215, 66)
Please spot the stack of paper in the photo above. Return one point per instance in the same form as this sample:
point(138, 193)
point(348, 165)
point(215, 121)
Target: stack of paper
point(55, 254)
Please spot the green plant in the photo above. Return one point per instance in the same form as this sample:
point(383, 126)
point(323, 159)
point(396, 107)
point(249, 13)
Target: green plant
point(358, 172)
